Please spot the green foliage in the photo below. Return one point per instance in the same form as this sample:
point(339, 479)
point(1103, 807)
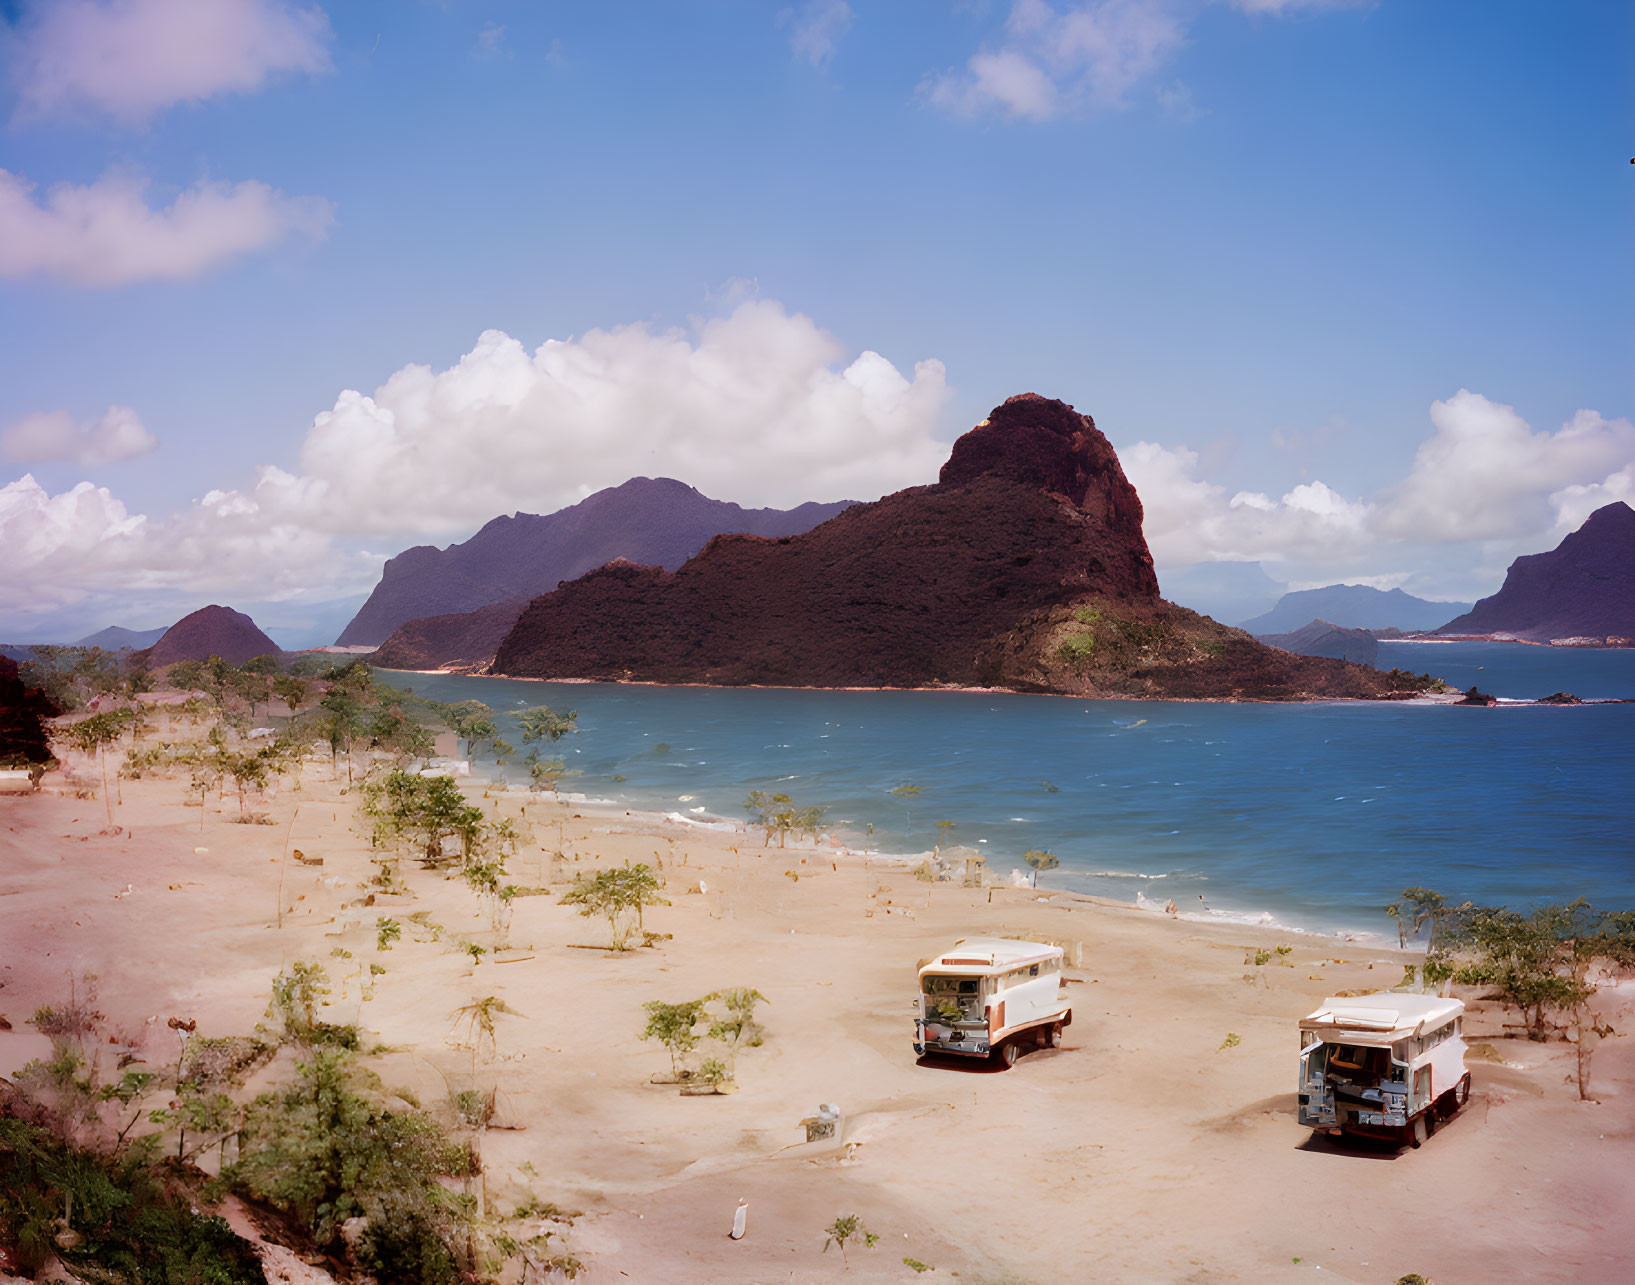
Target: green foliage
point(736, 1025)
point(323, 1149)
point(918, 1266)
point(131, 1226)
point(548, 773)
point(907, 791)
point(1231, 1041)
point(421, 811)
point(1039, 860)
point(297, 993)
point(1075, 649)
point(1087, 615)
point(71, 676)
point(1418, 907)
point(615, 895)
point(674, 1026)
point(541, 723)
point(844, 1228)
point(777, 814)
point(1539, 961)
point(387, 930)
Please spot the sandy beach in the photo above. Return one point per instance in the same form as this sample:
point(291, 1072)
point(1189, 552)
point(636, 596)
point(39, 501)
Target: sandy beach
point(1149, 1148)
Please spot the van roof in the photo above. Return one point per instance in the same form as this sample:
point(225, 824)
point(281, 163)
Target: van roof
point(1385, 1016)
point(989, 954)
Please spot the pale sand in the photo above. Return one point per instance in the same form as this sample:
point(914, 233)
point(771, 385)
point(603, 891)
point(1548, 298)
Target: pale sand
point(1141, 1151)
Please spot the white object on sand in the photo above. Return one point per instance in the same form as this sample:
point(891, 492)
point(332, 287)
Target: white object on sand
point(740, 1219)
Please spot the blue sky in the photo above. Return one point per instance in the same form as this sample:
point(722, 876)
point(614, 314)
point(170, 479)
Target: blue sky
point(1346, 284)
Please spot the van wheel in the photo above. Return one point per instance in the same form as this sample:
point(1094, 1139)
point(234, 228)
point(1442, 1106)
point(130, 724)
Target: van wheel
point(1462, 1093)
point(1009, 1052)
point(1053, 1036)
point(1421, 1129)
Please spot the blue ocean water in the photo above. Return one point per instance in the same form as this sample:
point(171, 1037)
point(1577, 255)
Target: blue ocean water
point(1315, 815)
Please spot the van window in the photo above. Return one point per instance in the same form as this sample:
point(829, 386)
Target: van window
point(1034, 971)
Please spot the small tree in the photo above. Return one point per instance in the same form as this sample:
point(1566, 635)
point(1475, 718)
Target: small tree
point(296, 994)
point(544, 724)
point(1040, 860)
point(845, 1228)
point(422, 811)
point(94, 735)
point(737, 1025)
point(614, 895)
point(674, 1026)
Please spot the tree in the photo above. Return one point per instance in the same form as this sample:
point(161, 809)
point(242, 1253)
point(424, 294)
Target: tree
point(843, 1229)
point(613, 895)
point(541, 723)
point(1040, 860)
point(290, 689)
point(737, 1025)
point(93, 735)
point(422, 811)
point(547, 773)
point(777, 814)
point(343, 722)
point(1418, 907)
point(471, 720)
point(674, 1026)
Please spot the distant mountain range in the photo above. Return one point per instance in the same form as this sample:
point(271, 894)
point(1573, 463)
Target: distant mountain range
point(1584, 587)
point(117, 638)
point(1022, 567)
point(1353, 606)
point(649, 520)
point(1224, 591)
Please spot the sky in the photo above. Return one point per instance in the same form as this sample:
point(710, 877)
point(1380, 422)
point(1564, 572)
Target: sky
point(286, 288)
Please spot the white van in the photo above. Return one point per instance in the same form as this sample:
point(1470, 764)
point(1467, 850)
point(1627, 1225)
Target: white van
point(1387, 1065)
point(991, 997)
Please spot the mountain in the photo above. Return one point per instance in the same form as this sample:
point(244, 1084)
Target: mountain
point(650, 519)
point(1022, 567)
point(1322, 638)
point(1224, 590)
point(1584, 587)
point(461, 641)
point(117, 638)
point(211, 631)
point(1353, 606)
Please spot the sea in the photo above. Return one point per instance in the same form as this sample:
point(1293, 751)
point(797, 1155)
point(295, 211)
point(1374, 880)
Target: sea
point(1311, 817)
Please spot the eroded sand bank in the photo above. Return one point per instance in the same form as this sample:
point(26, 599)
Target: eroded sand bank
point(1143, 1150)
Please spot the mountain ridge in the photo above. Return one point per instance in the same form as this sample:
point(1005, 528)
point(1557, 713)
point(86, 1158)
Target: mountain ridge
point(517, 556)
point(1584, 587)
point(1023, 567)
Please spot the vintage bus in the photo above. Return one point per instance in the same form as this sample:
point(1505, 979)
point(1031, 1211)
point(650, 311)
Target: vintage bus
point(1386, 1065)
point(991, 997)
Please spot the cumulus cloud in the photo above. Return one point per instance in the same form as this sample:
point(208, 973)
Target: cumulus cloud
point(130, 59)
point(54, 435)
point(816, 28)
point(1485, 474)
point(82, 546)
point(106, 234)
point(761, 406)
point(1483, 479)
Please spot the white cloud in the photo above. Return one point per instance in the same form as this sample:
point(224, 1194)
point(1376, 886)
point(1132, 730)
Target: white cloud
point(106, 234)
point(816, 28)
point(760, 406)
point(1190, 520)
point(1482, 489)
point(53, 435)
point(83, 546)
point(1086, 57)
point(130, 59)
point(490, 41)
point(756, 406)
point(1484, 474)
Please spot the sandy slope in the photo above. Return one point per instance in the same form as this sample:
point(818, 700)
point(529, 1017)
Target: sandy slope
point(1142, 1151)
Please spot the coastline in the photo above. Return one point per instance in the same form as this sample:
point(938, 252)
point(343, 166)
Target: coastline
point(1129, 1125)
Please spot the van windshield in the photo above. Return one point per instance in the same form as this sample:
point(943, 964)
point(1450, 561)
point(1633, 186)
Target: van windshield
point(950, 985)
